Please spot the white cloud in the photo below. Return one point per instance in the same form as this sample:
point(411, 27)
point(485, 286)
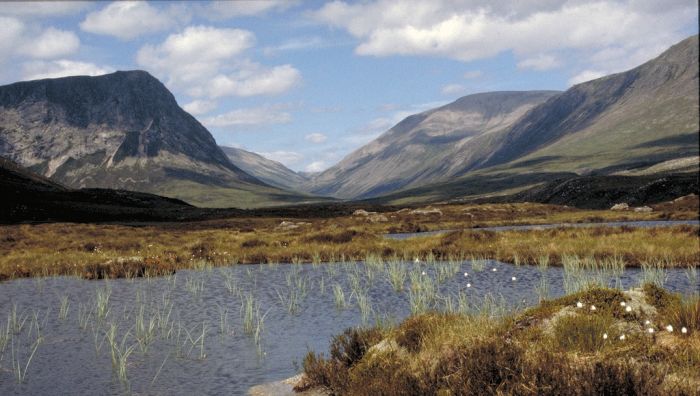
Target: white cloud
point(52, 43)
point(316, 137)
point(473, 74)
point(298, 44)
point(467, 30)
point(208, 61)
point(586, 75)
point(11, 30)
point(219, 10)
point(256, 80)
point(316, 166)
point(288, 158)
point(251, 117)
point(453, 89)
point(127, 20)
point(61, 68)
point(539, 62)
point(199, 106)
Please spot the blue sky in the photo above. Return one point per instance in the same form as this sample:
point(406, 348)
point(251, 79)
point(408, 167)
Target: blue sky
point(306, 83)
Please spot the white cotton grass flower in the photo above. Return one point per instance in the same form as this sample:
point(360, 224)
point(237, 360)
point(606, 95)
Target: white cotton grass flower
point(669, 328)
point(593, 308)
point(469, 285)
point(416, 260)
point(605, 336)
point(466, 274)
point(684, 330)
point(579, 304)
point(647, 322)
point(494, 270)
point(622, 337)
point(650, 330)
point(622, 304)
point(513, 278)
point(628, 309)
point(423, 273)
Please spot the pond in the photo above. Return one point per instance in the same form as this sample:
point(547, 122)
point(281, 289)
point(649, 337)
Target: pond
point(527, 227)
point(223, 330)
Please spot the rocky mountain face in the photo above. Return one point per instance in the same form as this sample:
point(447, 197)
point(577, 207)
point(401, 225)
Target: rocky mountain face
point(123, 130)
point(432, 146)
point(626, 121)
point(266, 170)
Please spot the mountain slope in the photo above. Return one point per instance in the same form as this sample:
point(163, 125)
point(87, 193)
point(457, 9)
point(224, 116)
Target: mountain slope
point(266, 170)
point(122, 130)
point(639, 117)
point(432, 146)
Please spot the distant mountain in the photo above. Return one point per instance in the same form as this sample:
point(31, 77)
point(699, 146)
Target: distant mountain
point(123, 131)
point(432, 146)
point(500, 143)
point(637, 118)
point(266, 170)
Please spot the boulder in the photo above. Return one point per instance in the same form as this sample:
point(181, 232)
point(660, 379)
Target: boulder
point(426, 211)
point(377, 218)
point(362, 212)
point(620, 206)
point(643, 209)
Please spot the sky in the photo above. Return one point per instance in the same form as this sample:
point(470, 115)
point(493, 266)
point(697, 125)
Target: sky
point(307, 82)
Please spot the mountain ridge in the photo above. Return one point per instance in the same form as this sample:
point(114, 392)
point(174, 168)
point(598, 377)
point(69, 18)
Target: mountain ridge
point(122, 130)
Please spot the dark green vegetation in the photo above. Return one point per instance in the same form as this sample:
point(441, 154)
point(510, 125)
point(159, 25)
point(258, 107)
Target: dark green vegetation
point(553, 349)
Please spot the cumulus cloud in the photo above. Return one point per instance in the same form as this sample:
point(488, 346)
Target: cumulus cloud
point(288, 158)
point(51, 43)
point(540, 62)
point(61, 68)
point(199, 106)
point(11, 30)
point(467, 30)
point(250, 117)
point(209, 61)
point(316, 138)
point(127, 20)
point(316, 166)
point(253, 80)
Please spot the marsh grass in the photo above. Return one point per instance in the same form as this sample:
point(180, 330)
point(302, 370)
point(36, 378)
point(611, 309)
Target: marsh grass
point(60, 249)
point(20, 370)
point(63, 308)
point(339, 296)
point(499, 350)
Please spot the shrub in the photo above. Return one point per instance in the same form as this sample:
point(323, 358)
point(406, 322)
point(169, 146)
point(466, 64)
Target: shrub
point(582, 332)
point(251, 243)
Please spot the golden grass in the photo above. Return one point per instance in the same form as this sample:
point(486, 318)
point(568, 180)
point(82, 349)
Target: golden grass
point(88, 249)
point(437, 353)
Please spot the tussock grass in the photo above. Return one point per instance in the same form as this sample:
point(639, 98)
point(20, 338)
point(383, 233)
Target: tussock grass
point(444, 353)
point(109, 251)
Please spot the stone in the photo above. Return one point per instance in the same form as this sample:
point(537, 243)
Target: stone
point(620, 206)
point(643, 209)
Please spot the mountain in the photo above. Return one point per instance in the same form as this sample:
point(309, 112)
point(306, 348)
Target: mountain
point(637, 119)
point(123, 130)
point(266, 170)
point(432, 146)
